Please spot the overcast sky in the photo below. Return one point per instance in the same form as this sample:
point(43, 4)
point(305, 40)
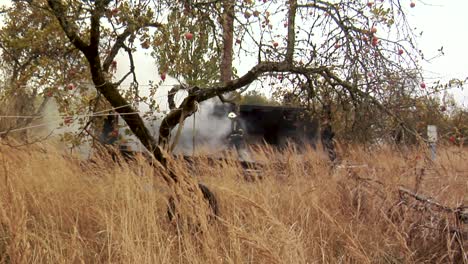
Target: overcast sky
point(443, 22)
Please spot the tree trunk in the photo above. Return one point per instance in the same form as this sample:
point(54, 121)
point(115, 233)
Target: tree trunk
point(228, 40)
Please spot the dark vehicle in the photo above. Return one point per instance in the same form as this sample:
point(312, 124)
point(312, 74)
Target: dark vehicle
point(273, 125)
point(277, 125)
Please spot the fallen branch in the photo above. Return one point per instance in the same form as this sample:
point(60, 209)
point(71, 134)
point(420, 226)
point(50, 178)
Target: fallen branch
point(425, 199)
point(461, 211)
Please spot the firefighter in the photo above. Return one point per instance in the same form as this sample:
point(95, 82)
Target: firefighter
point(110, 131)
point(236, 139)
point(327, 141)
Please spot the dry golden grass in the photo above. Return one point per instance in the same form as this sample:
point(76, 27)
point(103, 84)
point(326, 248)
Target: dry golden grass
point(56, 209)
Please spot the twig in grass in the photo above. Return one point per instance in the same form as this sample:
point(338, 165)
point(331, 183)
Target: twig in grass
point(427, 200)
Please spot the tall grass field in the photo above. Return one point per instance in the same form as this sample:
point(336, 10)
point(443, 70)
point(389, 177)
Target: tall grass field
point(378, 205)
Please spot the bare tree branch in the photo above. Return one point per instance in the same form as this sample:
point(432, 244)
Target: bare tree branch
point(120, 42)
point(253, 74)
point(132, 68)
point(171, 95)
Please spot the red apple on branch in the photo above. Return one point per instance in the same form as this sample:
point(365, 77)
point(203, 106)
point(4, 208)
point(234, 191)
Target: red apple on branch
point(452, 139)
point(189, 36)
point(114, 11)
point(145, 44)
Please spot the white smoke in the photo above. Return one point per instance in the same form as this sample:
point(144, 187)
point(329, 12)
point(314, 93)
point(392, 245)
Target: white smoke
point(202, 130)
point(51, 126)
point(209, 131)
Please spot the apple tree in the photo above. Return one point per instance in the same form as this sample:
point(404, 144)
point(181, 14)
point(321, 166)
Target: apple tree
point(350, 53)
point(322, 52)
